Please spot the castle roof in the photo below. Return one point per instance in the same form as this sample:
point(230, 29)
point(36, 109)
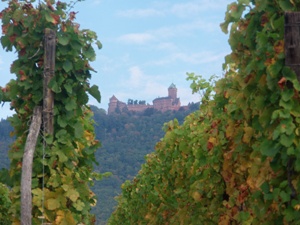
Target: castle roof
point(113, 98)
point(172, 86)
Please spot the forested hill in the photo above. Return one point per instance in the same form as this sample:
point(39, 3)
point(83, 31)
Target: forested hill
point(126, 138)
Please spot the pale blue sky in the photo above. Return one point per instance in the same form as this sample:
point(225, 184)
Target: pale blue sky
point(147, 45)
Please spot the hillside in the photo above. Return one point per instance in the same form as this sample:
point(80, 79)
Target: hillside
point(125, 138)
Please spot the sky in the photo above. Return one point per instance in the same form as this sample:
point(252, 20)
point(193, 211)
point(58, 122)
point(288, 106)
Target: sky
point(147, 46)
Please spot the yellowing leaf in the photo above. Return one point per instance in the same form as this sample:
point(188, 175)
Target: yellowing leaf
point(297, 207)
point(72, 194)
point(248, 134)
point(52, 204)
point(59, 216)
point(196, 196)
point(88, 135)
point(230, 129)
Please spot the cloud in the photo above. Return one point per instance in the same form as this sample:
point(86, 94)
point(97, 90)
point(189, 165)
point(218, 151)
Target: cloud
point(198, 58)
point(186, 96)
point(136, 76)
point(141, 84)
point(193, 8)
point(191, 58)
point(165, 33)
point(185, 29)
point(133, 13)
point(187, 9)
point(136, 38)
point(155, 89)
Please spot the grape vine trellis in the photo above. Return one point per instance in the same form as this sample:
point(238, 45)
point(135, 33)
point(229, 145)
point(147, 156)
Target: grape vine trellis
point(237, 159)
point(68, 167)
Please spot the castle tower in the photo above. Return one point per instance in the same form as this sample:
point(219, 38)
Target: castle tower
point(112, 105)
point(172, 90)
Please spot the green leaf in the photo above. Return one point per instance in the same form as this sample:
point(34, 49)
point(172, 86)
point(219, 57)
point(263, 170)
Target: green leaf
point(49, 139)
point(286, 5)
point(287, 94)
point(94, 91)
point(288, 105)
point(79, 205)
point(89, 53)
point(291, 151)
point(63, 39)
point(67, 66)
point(99, 44)
point(78, 129)
point(68, 88)
point(275, 68)
point(53, 85)
point(62, 136)
point(268, 148)
point(62, 121)
point(71, 105)
point(62, 157)
point(287, 140)
point(297, 164)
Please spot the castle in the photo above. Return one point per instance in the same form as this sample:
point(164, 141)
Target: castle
point(171, 102)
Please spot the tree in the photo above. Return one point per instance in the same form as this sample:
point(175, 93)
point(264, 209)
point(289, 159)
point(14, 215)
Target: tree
point(63, 162)
point(236, 160)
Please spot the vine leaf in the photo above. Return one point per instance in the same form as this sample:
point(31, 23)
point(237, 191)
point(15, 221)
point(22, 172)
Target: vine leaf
point(63, 39)
point(52, 204)
point(72, 194)
point(94, 91)
point(67, 66)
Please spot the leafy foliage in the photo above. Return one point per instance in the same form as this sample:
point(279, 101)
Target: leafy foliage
point(236, 160)
point(5, 204)
point(69, 159)
point(125, 139)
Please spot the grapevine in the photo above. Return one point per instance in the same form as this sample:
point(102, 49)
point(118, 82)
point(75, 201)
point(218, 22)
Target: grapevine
point(236, 160)
point(69, 159)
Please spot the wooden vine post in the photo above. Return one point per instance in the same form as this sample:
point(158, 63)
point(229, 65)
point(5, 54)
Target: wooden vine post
point(47, 112)
point(26, 178)
point(292, 60)
point(49, 66)
point(292, 41)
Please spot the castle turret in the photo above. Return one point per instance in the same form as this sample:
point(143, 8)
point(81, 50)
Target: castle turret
point(112, 105)
point(172, 91)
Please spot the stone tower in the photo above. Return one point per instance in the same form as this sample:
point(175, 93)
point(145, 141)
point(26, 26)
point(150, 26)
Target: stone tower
point(112, 105)
point(172, 91)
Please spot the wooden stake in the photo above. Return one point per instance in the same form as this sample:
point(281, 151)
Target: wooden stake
point(292, 59)
point(26, 198)
point(292, 41)
point(49, 67)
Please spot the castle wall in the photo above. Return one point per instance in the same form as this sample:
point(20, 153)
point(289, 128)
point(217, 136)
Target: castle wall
point(138, 108)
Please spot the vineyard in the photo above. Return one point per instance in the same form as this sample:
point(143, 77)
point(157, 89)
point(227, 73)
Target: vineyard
point(236, 160)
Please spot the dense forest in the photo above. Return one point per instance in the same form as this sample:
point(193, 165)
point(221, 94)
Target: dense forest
point(126, 138)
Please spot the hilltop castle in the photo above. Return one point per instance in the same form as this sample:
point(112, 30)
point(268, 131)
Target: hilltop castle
point(171, 102)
